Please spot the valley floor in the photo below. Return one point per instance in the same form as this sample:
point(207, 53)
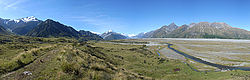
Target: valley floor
point(25, 58)
point(229, 52)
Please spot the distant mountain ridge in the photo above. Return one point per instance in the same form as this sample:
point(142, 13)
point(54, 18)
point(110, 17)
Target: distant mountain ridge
point(20, 26)
point(31, 26)
point(198, 30)
point(110, 35)
point(162, 32)
point(87, 35)
point(51, 28)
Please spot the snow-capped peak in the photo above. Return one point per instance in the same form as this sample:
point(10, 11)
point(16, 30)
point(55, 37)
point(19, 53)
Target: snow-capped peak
point(110, 31)
point(17, 20)
point(28, 19)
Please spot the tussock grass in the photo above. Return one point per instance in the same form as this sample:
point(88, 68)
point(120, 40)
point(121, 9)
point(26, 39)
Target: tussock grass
point(68, 59)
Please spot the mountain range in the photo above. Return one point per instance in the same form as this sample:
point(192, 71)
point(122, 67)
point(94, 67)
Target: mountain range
point(20, 26)
point(198, 30)
point(31, 26)
point(50, 28)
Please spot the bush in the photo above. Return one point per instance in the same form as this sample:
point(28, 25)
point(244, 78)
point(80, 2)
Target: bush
point(71, 68)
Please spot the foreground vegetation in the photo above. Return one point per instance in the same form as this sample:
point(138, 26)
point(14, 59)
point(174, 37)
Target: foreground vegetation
point(24, 58)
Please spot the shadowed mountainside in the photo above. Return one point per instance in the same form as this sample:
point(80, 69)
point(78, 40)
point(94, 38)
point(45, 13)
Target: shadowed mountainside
point(3, 30)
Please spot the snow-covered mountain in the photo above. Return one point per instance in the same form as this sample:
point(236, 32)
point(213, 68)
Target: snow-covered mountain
point(19, 21)
point(27, 19)
point(110, 35)
point(20, 26)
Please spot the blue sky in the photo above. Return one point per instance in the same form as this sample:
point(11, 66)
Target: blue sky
point(129, 16)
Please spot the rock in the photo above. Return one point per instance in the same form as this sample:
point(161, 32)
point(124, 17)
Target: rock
point(27, 73)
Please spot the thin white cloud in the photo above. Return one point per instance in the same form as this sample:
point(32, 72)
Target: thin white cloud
point(12, 4)
point(131, 35)
point(100, 23)
point(103, 21)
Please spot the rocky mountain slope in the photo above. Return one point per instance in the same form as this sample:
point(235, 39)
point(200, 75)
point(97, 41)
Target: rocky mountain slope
point(3, 30)
point(199, 30)
point(211, 30)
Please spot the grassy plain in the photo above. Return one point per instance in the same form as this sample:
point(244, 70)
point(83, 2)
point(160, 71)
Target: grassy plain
point(68, 59)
